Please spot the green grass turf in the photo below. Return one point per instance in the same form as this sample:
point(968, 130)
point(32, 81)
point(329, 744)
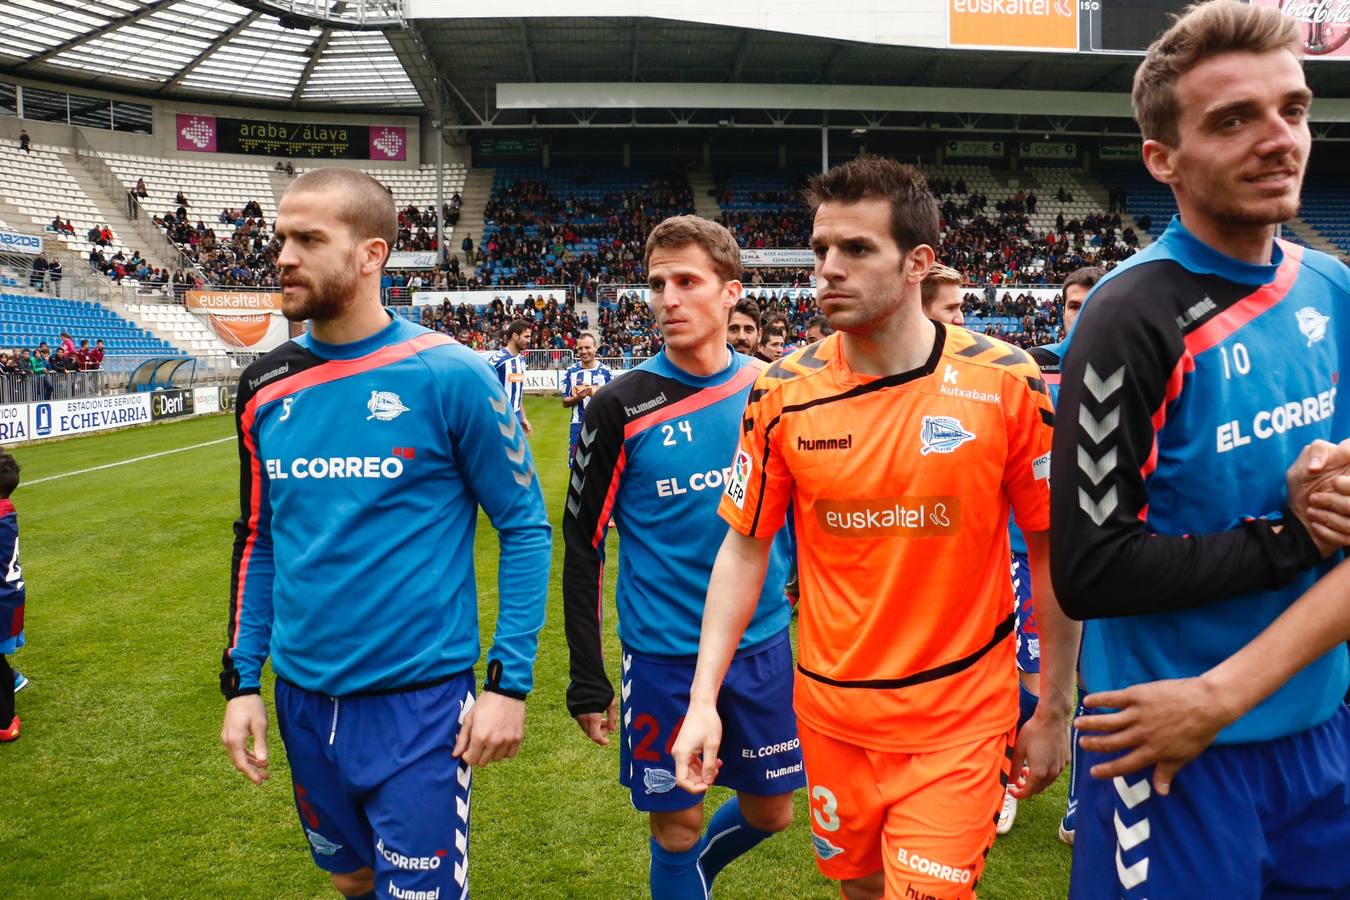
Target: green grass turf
point(119, 786)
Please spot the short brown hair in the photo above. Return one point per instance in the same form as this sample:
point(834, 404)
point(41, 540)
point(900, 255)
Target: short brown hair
point(937, 276)
point(716, 241)
point(1088, 276)
point(367, 206)
point(1201, 31)
point(746, 307)
point(914, 211)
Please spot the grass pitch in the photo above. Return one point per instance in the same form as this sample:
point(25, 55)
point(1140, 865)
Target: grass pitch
point(119, 786)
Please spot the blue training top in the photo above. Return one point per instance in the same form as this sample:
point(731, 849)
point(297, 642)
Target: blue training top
point(655, 453)
point(363, 467)
point(1192, 381)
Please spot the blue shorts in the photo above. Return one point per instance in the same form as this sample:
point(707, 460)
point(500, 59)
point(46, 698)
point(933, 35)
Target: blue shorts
point(1243, 821)
point(572, 437)
point(376, 786)
point(761, 753)
point(1028, 633)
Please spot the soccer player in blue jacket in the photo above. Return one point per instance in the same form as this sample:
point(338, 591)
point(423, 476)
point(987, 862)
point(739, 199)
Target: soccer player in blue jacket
point(366, 448)
point(1197, 373)
point(655, 453)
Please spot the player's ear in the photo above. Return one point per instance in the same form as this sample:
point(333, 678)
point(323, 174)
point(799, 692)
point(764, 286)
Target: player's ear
point(917, 263)
point(1159, 160)
point(731, 293)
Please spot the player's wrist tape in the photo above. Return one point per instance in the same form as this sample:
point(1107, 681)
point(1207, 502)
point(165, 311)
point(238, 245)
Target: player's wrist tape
point(493, 684)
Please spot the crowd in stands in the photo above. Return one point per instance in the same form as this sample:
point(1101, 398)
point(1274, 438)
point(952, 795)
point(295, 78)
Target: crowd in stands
point(1039, 321)
point(44, 373)
point(246, 256)
point(557, 325)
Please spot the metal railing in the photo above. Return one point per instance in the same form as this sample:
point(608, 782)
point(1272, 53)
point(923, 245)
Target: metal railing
point(52, 386)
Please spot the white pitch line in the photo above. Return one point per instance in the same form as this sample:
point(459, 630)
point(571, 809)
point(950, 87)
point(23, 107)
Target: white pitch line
point(125, 462)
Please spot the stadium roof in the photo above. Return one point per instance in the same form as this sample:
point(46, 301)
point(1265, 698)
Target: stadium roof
point(360, 54)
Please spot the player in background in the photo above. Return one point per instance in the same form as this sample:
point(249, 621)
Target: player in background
point(366, 448)
point(12, 597)
point(771, 344)
point(940, 293)
point(509, 363)
point(1197, 372)
point(580, 382)
point(743, 327)
point(900, 444)
point(1047, 356)
point(817, 329)
point(653, 454)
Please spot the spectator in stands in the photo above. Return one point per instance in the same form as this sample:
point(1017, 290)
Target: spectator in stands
point(467, 246)
point(82, 356)
point(105, 236)
point(55, 271)
point(743, 327)
point(37, 277)
point(182, 199)
point(25, 141)
point(67, 344)
point(96, 355)
point(140, 190)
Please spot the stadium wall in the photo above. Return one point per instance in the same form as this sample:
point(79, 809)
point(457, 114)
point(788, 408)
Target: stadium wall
point(163, 143)
point(25, 422)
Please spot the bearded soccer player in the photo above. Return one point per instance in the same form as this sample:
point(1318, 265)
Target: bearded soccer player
point(1198, 372)
point(652, 455)
point(366, 448)
point(580, 382)
point(900, 443)
point(743, 327)
point(509, 364)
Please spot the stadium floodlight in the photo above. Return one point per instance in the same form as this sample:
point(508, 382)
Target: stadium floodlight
point(351, 15)
point(859, 132)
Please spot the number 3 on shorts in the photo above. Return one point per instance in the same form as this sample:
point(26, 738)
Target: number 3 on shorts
point(824, 813)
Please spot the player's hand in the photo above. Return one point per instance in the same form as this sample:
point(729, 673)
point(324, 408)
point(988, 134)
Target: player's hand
point(599, 726)
point(492, 729)
point(529, 429)
point(1041, 752)
point(1165, 724)
point(245, 717)
point(695, 750)
point(1318, 485)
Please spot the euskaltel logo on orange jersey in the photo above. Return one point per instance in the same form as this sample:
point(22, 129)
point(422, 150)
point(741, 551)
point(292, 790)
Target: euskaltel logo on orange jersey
point(938, 516)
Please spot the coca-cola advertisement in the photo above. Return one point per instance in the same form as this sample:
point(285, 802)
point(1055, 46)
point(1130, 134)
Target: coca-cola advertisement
point(1324, 24)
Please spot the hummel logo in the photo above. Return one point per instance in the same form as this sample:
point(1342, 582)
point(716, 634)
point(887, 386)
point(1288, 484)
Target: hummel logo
point(1196, 312)
point(843, 443)
point(1098, 430)
point(1102, 389)
point(1096, 469)
point(1098, 511)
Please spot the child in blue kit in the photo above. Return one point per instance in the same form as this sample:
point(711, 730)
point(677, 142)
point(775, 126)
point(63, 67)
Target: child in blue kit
point(11, 598)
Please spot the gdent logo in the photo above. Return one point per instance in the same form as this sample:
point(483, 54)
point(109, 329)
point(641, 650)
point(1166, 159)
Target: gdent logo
point(890, 517)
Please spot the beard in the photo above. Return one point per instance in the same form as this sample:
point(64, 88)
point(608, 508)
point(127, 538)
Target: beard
point(323, 299)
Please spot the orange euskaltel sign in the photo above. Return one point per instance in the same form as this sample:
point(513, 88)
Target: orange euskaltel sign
point(242, 300)
point(1035, 24)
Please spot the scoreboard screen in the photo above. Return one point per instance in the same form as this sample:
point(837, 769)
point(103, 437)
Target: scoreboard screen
point(1123, 26)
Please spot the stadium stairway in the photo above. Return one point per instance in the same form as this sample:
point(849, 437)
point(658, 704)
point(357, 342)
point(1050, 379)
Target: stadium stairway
point(1308, 235)
point(705, 202)
point(477, 191)
point(1093, 188)
point(114, 212)
point(280, 181)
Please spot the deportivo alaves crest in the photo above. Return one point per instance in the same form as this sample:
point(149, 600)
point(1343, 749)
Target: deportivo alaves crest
point(385, 406)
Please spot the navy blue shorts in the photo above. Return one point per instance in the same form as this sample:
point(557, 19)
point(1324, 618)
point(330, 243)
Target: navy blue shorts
point(573, 435)
point(1028, 633)
point(761, 753)
point(1265, 820)
point(376, 786)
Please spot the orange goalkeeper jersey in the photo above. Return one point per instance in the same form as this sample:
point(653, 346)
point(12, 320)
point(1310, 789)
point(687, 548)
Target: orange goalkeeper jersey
point(900, 488)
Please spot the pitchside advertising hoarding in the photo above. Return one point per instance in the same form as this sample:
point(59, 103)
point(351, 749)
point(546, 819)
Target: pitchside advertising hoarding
point(16, 422)
point(301, 140)
point(57, 418)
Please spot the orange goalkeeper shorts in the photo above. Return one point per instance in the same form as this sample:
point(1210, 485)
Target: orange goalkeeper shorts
point(926, 819)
